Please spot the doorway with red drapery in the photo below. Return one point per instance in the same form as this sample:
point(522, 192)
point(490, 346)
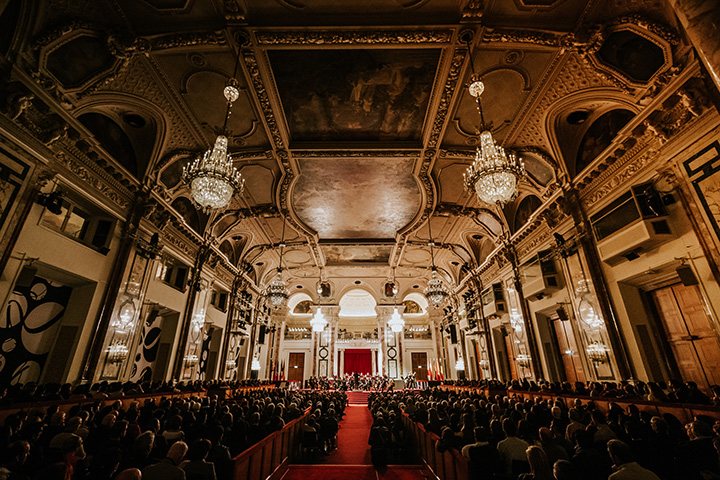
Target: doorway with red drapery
point(358, 360)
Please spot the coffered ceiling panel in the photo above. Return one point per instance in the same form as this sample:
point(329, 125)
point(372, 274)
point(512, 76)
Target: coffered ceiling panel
point(351, 198)
point(355, 95)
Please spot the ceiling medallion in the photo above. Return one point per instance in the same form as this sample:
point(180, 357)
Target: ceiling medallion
point(212, 178)
point(494, 175)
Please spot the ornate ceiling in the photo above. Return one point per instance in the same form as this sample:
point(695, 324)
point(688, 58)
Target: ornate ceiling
point(353, 120)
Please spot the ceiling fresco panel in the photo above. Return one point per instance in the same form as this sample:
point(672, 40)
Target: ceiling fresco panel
point(337, 255)
point(355, 95)
point(351, 198)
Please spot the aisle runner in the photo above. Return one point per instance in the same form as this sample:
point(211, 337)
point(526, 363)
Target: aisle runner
point(357, 472)
point(358, 398)
point(352, 457)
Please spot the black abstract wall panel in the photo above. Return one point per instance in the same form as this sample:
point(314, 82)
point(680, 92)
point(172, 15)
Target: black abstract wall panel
point(28, 330)
point(147, 350)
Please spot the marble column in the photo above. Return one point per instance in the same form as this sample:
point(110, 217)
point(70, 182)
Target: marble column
point(701, 21)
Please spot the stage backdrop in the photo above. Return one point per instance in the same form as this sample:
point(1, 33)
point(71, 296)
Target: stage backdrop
point(358, 360)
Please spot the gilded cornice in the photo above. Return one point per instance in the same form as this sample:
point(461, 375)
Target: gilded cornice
point(95, 180)
point(355, 37)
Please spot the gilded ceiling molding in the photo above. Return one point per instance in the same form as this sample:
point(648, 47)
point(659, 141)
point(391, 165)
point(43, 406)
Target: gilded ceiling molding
point(507, 35)
point(355, 153)
point(473, 11)
point(253, 71)
point(187, 39)
point(357, 37)
point(439, 119)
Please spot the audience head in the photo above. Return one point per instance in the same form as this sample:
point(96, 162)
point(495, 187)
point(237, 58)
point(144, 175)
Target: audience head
point(509, 427)
point(199, 450)
point(177, 452)
point(564, 470)
point(620, 452)
point(129, 474)
point(539, 464)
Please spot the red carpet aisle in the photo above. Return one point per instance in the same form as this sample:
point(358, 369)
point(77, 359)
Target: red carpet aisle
point(352, 446)
point(352, 457)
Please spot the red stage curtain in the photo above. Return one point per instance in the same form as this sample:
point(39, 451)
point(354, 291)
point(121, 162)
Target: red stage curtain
point(358, 360)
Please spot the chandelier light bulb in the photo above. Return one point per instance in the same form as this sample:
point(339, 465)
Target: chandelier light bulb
point(476, 87)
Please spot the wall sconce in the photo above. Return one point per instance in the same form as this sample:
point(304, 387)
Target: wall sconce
point(597, 352)
point(230, 364)
point(523, 360)
point(484, 364)
point(460, 364)
point(191, 360)
point(117, 353)
point(255, 365)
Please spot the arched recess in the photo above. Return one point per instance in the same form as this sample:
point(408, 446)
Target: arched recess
point(122, 123)
point(569, 119)
point(599, 136)
point(358, 302)
point(525, 208)
point(297, 304)
point(192, 216)
point(416, 299)
point(480, 245)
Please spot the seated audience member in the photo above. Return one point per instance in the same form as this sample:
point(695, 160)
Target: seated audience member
point(540, 468)
point(512, 450)
point(379, 442)
point(625, 466)
point(196, 466)
point(129, 474)
point(482, 454)
point(590, 463)
point(565, 470)
point(70, 467)
point(12, 461)
point(169, 467)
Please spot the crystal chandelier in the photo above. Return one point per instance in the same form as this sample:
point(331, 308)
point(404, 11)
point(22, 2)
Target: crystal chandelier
point(435, 292)
point(212, 178)
point(494, 174)
point(396, 322)
point(277, 292)
point(318, 321)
